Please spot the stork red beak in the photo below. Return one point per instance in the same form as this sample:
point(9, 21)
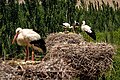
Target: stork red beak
point(16, 35)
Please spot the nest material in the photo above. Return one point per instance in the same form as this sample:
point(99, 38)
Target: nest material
point(70, 38)
point(54, 69)
point(69, 57)
point(88, 59)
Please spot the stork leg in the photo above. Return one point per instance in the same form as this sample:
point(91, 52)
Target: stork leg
point(27, 53)
point(27, 49)
point(73, 29)
point(32, 55)
point(65, 30)
point(35, 48)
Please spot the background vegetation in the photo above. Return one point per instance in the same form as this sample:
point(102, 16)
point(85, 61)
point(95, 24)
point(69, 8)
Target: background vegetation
point(47, 17)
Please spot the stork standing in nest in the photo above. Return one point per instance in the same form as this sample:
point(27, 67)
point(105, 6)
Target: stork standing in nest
point(29, 38)
point(65, 26)
point(73, 27)
point(88, 30)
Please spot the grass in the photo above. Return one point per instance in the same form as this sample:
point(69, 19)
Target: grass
point(114, 73)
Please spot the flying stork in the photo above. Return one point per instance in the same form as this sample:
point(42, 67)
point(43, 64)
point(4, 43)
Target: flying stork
point(29, 38)
point(88, 30)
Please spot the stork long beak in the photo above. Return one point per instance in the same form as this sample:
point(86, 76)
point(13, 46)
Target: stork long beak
point(16, 35)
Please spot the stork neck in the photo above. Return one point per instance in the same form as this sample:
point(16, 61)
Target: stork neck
point(83, 24)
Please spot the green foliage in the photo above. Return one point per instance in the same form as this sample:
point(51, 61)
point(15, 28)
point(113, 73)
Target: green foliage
point(112, 37)
point(113, 74)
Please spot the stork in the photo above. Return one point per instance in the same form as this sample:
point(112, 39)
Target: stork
point(66, 25)
point(88, 30)
point(29, 38)
point(75, 25)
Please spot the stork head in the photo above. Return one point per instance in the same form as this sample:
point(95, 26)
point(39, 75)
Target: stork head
point(83, 22)
point(18, 30)
point(76, 23)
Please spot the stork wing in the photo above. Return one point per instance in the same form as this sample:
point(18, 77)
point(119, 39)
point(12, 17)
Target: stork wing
point(66, 24)
point(92, 35)
point(87, 29)
point(30, 35)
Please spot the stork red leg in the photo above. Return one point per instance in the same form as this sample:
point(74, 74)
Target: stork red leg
point(27, 49)
point(32, 55)
point(27, 53)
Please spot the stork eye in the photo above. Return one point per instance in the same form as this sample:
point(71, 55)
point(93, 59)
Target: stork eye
point(18, 31)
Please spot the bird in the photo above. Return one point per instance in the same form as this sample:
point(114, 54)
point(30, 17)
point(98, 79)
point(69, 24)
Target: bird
point(75, 25)
point(29, 38)
point(88, 30)
point(65, 26)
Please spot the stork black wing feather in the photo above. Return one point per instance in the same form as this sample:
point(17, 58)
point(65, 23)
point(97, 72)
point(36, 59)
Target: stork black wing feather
point(39, 43)
point(92, 35)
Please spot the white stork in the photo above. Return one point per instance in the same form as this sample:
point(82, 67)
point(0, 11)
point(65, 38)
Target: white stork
point(66, 25)
point(29, 38)
point(75, 25)
point(88, 30)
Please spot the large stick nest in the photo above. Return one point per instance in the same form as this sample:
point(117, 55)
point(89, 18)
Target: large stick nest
point(70, 38)
point(68, 57)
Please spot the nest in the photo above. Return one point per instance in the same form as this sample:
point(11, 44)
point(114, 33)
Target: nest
point(54, 69)
point(68, 57)
point(70, 38)
point(88, 59)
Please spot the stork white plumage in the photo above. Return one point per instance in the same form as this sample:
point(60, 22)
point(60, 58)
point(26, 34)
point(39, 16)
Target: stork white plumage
point(73, 27)
point(29, 38)
point(66, 25)
point(88, 30)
